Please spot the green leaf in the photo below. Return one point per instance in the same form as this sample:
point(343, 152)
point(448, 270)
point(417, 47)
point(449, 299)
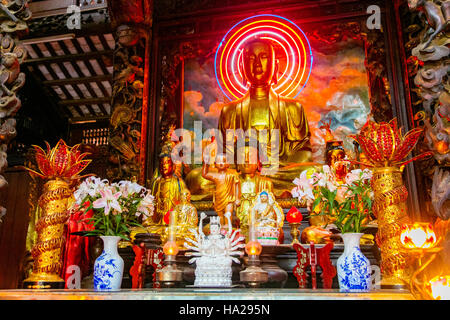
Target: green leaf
point(348, 223)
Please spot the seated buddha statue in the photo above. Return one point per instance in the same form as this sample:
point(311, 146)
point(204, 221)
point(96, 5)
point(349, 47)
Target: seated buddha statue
point(166, 189)
point(261, 108)
point(186, 218)
point(252, 183)
point(267, 217)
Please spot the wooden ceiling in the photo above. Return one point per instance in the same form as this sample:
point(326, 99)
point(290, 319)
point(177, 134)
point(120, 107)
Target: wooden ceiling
point(74, 67)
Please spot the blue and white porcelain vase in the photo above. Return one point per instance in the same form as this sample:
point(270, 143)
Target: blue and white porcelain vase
point(353, 268)
point(108, 267)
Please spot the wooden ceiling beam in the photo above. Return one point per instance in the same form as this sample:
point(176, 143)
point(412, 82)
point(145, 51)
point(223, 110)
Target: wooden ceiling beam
point(94, 49)
point(86, 101)
point(71, 57)
point(86, 80)
point(60, 82)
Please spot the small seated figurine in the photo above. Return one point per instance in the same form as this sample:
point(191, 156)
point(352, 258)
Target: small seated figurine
point(268, 219)
point(252, 183)
point(213, 254)
point(186, 218)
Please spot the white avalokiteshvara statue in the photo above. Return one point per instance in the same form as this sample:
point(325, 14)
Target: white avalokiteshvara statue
point(214, 253)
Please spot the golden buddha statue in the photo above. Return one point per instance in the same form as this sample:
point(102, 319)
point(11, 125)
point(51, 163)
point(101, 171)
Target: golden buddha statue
point(268, 219)
point(166, 189)
point(226, 181)
point(262, 108)
point(252, 183)
point(334, 157)
point(185, 218)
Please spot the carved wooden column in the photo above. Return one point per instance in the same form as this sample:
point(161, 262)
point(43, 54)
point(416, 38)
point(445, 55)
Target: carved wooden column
point(432, 54)
point(132, 22)
point(13, 17)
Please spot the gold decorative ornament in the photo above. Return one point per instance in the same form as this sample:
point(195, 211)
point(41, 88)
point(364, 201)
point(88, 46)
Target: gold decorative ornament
point(60, 166)
point(391, 211)
point(386, 150)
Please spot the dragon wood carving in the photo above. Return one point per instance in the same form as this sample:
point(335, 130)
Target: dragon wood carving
point(127, 95)
point(13, 17)
point(428, 66)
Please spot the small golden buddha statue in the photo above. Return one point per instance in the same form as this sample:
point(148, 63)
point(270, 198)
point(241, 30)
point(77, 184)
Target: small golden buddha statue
point(268, 219)
point(334, 157)
point(186, 218)
point(262, 108)
point(166, 189)
point(334, 148)
point(226, 181)
point(252, 183)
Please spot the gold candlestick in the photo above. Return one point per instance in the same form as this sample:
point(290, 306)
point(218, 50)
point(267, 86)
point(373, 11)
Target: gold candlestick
point(170, 275)
point(294, 232)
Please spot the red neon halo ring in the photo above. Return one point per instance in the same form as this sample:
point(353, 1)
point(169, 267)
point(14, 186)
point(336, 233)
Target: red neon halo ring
point(233, 72)
point(278, 29)
point(237, 48)
point(239, 45)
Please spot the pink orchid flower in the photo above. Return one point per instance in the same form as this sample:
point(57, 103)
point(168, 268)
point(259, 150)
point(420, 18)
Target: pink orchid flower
point(108, 201)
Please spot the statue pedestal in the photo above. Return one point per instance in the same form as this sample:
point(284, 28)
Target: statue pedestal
point(279, 262)
point(269, 263)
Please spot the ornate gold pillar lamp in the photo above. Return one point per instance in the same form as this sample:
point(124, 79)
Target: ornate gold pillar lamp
point(170, 275)
point(60, 166)
point(253, 276)
point(386, 149)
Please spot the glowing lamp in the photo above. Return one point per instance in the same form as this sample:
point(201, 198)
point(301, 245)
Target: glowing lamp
point(170, 248)
point(439, 287)
point(253, 248)
point(294, 216)
point(418, 236)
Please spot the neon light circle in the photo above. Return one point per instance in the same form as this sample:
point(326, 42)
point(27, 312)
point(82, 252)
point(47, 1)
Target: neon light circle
point(292, 49)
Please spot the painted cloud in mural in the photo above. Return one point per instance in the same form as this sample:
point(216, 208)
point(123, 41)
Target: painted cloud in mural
point(336, 91)
point(203, 99)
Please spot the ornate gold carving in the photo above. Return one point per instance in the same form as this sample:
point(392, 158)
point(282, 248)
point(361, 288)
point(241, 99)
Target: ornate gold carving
point(391, 211)
point(132, 22)
point(50, 228)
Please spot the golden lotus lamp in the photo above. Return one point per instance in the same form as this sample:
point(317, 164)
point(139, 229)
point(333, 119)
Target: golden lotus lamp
point(294, 217)
point(170, 275)
point(253, 276)
point(420, 240)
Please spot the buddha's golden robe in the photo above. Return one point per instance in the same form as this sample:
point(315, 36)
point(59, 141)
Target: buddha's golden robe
point(286, 115)
point(167, 192)
point(186, 218)
point(225, 193)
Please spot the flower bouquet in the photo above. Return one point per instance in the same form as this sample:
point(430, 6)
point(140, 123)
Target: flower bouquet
point(347, 203)
point(116, 206)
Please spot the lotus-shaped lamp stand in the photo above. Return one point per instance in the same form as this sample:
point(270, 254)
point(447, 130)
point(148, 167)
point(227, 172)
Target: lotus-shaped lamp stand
point(59, 166)
point(387, 150)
